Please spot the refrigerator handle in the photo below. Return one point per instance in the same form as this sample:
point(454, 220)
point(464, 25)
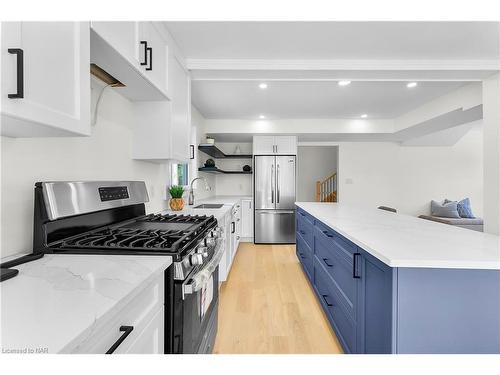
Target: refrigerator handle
point(272, 185)
point(278, 182)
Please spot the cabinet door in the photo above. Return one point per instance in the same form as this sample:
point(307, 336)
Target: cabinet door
point(151, 339)
point(263, 145)
point(374, 306)
point(246, 218)
point(285, 145)
point(56, 82)
point(123, 37)
point(155, 57)
point(181, 104)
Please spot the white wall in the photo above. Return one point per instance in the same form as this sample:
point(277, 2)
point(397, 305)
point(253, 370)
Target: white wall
point(234, 184)
point(491, 111)
point(407, 178)
point(314, 163)
point(197, 137)
point(106, 154)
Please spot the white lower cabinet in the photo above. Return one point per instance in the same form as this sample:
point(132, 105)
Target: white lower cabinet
point(45, 80)
point(247, 220)
point(151, 339)
point(144, 313)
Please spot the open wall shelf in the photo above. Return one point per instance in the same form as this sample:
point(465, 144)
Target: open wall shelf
point(214, 152)
point(217, 170)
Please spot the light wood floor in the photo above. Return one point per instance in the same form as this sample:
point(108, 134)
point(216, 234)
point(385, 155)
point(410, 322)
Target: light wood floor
point(268, 306)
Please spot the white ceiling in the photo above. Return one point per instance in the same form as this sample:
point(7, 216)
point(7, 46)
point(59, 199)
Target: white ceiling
point(312, 99)
point(337, 40)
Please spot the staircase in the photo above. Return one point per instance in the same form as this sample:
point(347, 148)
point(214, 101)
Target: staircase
point(326, 190)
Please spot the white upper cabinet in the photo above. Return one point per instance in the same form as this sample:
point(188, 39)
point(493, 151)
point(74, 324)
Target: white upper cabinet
point(181, 112)
point(274, 145)
point(136, 54)
point(153, 55)
point(162, 129)
point(45, 79)
point(263, 144)
point(285, 145)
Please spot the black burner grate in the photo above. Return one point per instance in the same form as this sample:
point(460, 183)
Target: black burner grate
point(163, 233)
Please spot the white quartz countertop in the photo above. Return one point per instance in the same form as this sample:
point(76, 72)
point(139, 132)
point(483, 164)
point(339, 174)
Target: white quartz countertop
point(228, 201)
point(54, 302)
point(407, 241)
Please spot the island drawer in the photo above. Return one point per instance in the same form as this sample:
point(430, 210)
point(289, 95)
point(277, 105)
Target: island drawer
point(306, 229)
point(343, 324)
point(305, 255)
point(341, 272)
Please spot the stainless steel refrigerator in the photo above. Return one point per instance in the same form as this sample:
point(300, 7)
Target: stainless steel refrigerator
point(274, 192)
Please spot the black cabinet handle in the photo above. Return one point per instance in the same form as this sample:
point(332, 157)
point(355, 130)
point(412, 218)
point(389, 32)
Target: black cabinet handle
point(150, 51)
point(355, 266)
point(327, 234)
point(302, 232)
point(302, 256)
point(325, 260)
point(302, 213)
point(233, 227)
point(325, 298)
point(192, 152)
point(20, 73)
point(145, 44)
point(127, 330)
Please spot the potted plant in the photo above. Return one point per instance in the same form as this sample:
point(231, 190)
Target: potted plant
point(176, 202)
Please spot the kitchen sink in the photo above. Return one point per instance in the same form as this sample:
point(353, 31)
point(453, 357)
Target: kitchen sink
point(209, 205)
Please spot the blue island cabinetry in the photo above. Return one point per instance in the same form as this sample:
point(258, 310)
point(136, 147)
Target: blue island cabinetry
point(375, 308)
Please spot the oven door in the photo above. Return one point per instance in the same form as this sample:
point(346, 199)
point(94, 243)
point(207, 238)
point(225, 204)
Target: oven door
point(200, 306)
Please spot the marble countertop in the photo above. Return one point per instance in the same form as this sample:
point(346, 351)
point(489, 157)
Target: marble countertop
point(227, 200)
point(58, 299)
point(407, 241)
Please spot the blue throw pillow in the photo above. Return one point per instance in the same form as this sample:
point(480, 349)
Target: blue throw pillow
point(445, 209)
point(464, 209)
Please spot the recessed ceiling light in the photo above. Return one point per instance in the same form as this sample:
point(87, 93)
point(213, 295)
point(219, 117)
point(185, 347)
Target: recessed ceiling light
point(344, 83)
point(263, 85)
point(364, 115)
point(412, 85)
point(262, 117)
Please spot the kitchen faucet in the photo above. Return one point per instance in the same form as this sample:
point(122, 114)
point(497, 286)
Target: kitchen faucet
point(191, 192)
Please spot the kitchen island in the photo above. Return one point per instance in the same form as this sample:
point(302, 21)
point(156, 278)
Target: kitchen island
point(392, 283)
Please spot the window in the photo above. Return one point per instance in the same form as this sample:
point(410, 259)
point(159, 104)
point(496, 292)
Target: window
point(180, 174)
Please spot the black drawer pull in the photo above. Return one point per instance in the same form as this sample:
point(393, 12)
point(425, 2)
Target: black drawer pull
point(302, 232)
point(303, 214)
point(20, 73)
point(127, 330)
point(325, 260)
point(325, 298)
point(327, 234)
point(150, 50)
point(145, 44)
point(355, 266)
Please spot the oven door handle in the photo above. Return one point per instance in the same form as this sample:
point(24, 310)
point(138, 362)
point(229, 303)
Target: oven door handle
point(201, 278)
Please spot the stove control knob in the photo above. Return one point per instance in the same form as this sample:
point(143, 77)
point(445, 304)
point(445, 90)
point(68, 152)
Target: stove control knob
point(201, 249)
point(211, 241)
point(217, 232)
point(196, 259)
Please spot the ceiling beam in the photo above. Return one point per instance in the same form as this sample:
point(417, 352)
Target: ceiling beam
point(268, 64)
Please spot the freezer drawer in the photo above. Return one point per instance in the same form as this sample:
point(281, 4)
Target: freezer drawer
point(274, 226)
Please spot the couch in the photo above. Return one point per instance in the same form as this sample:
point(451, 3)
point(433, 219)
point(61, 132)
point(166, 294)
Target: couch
point(474, 224)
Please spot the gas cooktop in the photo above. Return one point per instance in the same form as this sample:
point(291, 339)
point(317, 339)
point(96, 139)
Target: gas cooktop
point(145, 235)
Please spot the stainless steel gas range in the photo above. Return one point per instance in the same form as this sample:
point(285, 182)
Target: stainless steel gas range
point(108, 217)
